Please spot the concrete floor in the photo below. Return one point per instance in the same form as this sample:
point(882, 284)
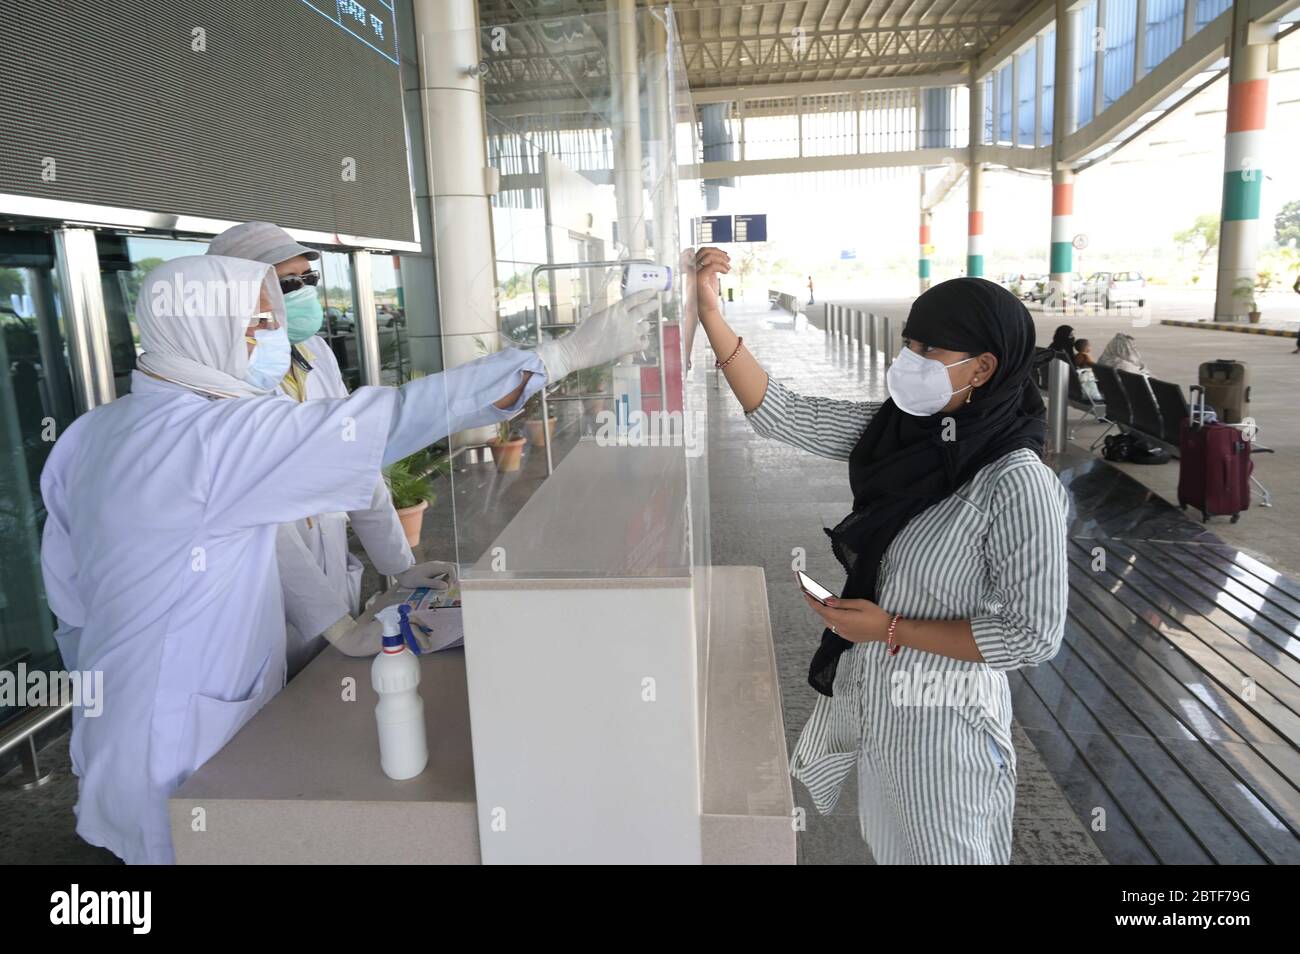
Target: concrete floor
point(767, 498)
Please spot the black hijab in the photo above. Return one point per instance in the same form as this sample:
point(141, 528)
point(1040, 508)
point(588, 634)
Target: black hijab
point(902, 465)
point(1063, 341)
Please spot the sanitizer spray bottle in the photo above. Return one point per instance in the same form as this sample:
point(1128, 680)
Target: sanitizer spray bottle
point(395, 675)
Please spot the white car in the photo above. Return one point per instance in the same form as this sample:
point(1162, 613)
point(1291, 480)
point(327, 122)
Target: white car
point(1112, 288)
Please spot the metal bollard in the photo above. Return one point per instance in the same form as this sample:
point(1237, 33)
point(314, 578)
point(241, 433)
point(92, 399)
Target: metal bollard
point(859, 325)
point(1058, 405)
point(888, 344)
point(871, 336)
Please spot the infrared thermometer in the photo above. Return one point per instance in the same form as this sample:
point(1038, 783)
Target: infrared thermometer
point(638, 278)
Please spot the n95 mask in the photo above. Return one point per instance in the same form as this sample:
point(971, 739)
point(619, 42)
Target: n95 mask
point(920, 386)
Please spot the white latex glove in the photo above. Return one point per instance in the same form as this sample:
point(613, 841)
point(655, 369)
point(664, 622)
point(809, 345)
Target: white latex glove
point(608, 334)
point(357, 637)
point(434, 574)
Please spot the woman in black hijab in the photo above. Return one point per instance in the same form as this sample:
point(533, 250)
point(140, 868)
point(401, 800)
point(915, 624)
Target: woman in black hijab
point(1063, 342)
point(954, 555)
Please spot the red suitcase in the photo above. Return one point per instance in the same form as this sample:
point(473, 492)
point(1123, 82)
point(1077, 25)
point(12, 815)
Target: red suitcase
point(1214, 465)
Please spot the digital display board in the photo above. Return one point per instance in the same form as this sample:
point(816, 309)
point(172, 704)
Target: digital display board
point(285, 110)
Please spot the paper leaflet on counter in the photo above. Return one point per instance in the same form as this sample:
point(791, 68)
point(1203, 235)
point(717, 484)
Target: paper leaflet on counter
point(436, 617)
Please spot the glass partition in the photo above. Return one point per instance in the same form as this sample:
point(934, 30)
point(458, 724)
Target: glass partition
point(603, 474)
point(36, 404)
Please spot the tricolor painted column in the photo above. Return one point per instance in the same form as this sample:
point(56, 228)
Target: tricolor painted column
point(1064, 122)
point(975, 224)
point(924, 270)
point(975, 181)
point(1062, 255)
point(1243, 174)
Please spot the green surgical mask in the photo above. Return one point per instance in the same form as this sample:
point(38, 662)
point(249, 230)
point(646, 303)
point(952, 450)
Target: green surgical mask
point(303, 313)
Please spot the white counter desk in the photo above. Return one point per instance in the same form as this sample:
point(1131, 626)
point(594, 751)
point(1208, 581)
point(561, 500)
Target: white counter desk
point(610, 723)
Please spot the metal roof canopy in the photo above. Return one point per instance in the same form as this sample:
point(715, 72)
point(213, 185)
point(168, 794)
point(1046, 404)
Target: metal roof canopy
point(745, 43)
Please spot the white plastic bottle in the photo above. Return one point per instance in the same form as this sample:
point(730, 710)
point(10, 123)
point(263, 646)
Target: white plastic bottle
point(395, 675)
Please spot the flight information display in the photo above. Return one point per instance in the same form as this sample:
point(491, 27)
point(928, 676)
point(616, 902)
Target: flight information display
point(284, 110)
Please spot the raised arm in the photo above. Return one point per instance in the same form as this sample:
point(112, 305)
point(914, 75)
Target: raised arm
point(824, 426)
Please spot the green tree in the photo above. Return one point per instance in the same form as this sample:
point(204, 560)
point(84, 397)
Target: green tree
point(1286, 224)
point(1203, 235)
point(11, 283)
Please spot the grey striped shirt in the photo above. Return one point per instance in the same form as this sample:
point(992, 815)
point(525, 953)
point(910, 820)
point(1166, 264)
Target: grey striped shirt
point(993, 552)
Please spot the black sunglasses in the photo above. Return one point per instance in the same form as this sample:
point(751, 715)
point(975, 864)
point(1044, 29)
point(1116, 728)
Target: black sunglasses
point(294, 282)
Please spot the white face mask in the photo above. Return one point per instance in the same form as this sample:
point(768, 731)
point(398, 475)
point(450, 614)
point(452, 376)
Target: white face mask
point(920, 386)
point(269, 362)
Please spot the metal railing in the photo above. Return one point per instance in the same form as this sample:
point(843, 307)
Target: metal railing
point(870, 332)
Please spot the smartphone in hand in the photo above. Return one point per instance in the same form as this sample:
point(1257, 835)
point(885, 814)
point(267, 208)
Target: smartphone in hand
point(812, 587)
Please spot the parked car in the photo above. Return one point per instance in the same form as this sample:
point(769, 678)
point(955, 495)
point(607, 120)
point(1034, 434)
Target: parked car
point(1112, 288)
point(1027, 285)
point(1040, 289)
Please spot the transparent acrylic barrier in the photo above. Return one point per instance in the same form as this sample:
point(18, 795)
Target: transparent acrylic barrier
point(606, 477)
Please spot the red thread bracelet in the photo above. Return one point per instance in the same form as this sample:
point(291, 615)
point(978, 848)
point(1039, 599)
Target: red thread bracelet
point(722, 364)
point(893, 633)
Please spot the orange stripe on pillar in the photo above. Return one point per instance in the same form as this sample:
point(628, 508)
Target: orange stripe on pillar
point(976, 223)
point(1063, 198)
point(1247, 105)
point(925, 235)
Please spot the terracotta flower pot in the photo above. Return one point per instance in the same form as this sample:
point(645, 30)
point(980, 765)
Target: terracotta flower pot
point(1254, 317)
point(534, 429)
point(412, 520)
point(507, 453)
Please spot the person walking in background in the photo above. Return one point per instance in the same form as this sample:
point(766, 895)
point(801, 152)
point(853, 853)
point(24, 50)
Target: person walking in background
point(810, 291)
point(1296, 288)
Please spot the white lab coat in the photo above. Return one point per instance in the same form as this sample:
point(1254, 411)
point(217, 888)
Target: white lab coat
point(159, 560)
point(321, 577)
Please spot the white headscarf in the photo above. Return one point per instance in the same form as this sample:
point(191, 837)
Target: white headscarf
point(1122, 353)
point(192, 314)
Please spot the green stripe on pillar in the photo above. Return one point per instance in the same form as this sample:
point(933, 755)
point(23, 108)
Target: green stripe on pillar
point(975, 266)
point(1062, 258)
point(925, 268)
point(1241, 194)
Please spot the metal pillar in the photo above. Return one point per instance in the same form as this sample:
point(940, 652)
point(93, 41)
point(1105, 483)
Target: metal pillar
point(363, 303)
point(1058, 379)
point(77, 263)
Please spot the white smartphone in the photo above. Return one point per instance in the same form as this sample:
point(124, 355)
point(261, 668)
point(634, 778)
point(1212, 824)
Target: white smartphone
point(812, 587)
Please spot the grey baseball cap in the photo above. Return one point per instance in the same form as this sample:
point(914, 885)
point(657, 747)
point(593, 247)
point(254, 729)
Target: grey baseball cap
point(261, 242)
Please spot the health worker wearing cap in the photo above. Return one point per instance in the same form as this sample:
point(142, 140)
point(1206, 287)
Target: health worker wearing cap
point(320, 576)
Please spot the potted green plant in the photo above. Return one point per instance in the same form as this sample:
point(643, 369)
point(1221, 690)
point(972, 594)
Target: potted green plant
point(507, 447)
point(1244, 292)
point(595, 382)
point(533, 422)
point(410, 481)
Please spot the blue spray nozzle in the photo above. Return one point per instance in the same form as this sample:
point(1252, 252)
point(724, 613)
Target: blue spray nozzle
point(407, 635)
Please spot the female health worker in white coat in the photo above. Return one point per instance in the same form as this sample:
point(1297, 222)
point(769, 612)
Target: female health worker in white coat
point(321, 578)
point(159, 551)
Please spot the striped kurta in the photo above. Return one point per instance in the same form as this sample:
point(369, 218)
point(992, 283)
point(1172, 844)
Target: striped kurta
point(930, 736)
